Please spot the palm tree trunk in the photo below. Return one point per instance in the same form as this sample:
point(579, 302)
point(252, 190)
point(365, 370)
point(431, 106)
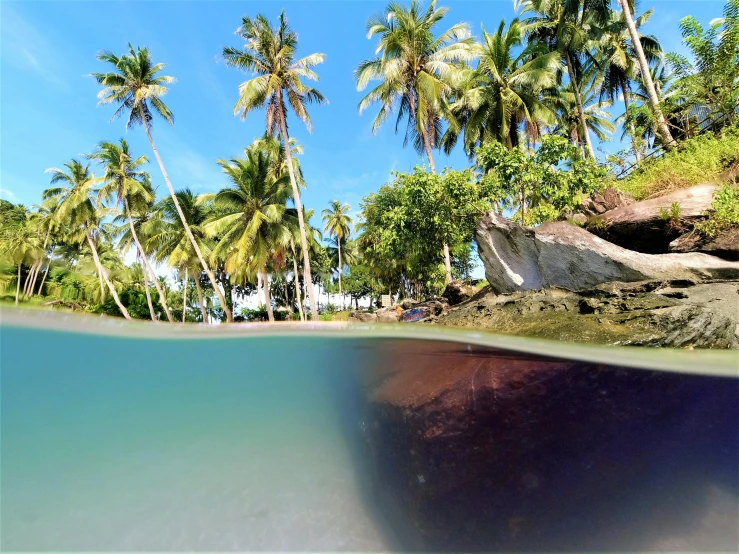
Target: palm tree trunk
point(338, 243)
point(297, 281)
point(184, 297)
point(152, 313)
point(29, 275)
point(18, 285)
point(200, 300)
point(267, 297)
point(188, 232)
point(43, 280)
point(663, 129)
point(632, 130)
point(299, 208)
point(432, 166)
point(523, 206)
point(145, 260)
point(104, 276)
point(580, 107)
point(35, 277)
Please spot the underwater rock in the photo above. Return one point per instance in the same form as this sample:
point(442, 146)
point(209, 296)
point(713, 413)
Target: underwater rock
point(650, 313)
point(563, 255)
point(484, 451)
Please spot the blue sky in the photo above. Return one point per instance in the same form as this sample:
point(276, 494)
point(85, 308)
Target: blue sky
point(49, 112)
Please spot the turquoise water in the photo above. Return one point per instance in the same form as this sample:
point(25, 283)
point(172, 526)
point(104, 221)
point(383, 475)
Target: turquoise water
point(324, 441)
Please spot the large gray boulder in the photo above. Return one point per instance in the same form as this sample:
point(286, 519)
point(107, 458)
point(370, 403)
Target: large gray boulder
point(644, 227)
point(563, 255)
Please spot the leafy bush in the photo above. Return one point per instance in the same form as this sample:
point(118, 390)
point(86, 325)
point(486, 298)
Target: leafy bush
point(724, 211)
point(331, 308)
point(260, 314)
point(698, 160)
point(673, 214)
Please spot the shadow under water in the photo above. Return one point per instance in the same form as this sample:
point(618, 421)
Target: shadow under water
point(328, 443)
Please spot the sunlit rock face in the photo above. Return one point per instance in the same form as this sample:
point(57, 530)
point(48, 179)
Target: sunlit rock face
point(488, 451)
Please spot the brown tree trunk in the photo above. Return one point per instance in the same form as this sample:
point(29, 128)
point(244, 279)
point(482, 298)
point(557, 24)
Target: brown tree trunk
point(338, 243)
point(152, 313)
point(184, 297)
point(43, 280)
point(18, 285)
point(663, 129)
point(145, 262)
point(35, 277)
point(267, 296)
point(299, 208)
point(632, 130)
point(580, 107)
point(203, 311)
point(432, 166)
point(104, 276)
point(298, 299)
point(188, 232)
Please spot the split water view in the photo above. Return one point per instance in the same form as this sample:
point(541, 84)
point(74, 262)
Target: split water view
point(358, 276)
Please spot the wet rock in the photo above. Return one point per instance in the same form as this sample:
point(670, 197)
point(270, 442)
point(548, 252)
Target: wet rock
point(479, 450)
point(725, 245)
point(654, 313)
point(563, 255)
point(641, 227)
point(363, 317)
point(605, 201)
point(408, 303)
point(389, 315)
point(457, 292)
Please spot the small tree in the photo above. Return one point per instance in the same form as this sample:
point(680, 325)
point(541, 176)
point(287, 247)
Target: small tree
point(546, 181)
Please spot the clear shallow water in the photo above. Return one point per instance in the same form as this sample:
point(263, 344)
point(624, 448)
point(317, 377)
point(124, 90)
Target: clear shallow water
point(338, 443)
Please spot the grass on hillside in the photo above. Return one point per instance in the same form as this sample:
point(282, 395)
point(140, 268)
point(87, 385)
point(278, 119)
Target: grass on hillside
point(703, 159)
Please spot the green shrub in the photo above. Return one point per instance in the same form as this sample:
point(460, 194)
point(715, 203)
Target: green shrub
point(724, 211)
point(698, 160)
point(673, 214)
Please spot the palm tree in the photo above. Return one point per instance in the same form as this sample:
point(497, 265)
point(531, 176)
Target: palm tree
point(137, 89)
point(270, 54)
point(124, 180)
point(78, 211)
point(337, 224)
point(20, 241)
point(250, 224)
point(617, 58)
point(562, 26)
point(417, 71)
point(631, 25)
point(504, 89)
point(169, 243)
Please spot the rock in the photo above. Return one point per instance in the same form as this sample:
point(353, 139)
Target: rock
point(579, 219)
point(602, 202)
point(725, 245)
point(476, 450)
point(424, 311)
point(640, 227)
point(652, 313)
point(457, 292)
point(408, 303)
point(563, 255)
point(388, 315)
point(363, 317)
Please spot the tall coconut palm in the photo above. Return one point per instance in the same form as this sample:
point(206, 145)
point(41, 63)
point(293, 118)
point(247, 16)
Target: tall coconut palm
point(418, 72)
point(20, 241)
point(504, 90)
point(167, 240)
point(78, 212)
point(125, 181)
point(563, 26)
point(44, 218)
point(135, 86)
point(270, 54)
point(654, 103)
point(250, 224)
point(337, 223)
point(618, 60)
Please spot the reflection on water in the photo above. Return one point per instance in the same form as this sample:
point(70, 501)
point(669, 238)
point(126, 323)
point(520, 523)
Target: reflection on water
point(356, 444)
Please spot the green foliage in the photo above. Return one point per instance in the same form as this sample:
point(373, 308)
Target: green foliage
point(260, 314)
point(697, 160)
point(724, 211)
point(548, 181)
point(672, 215)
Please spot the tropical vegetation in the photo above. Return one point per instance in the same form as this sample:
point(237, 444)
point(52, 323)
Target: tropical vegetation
point(529, 103)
